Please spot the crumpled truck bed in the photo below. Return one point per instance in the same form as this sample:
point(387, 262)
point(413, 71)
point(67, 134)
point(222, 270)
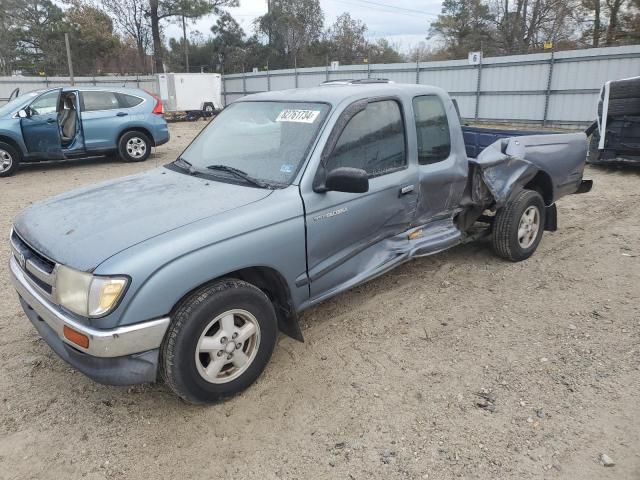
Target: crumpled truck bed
point(556, 161)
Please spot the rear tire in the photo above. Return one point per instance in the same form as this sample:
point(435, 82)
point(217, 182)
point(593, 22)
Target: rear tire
point(518, 226)
point(134, 146)
point(9, 160)
point(219, 341)
point(622, 107)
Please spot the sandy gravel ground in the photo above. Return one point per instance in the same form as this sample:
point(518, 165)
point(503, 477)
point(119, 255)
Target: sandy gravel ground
point(454, 366)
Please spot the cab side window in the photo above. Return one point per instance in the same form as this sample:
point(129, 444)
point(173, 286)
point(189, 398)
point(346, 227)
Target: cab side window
point(45, 104)
point(97, 100)
point(373, 140)
point(432, 125)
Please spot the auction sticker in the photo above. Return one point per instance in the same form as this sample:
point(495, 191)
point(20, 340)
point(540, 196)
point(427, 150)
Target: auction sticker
point(298, 116)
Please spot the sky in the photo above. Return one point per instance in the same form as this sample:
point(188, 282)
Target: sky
point(405, 23)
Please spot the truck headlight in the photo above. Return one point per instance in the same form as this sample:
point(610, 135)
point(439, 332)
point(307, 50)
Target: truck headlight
point(88, 295)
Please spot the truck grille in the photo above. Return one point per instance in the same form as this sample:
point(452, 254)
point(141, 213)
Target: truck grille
point(38, 269)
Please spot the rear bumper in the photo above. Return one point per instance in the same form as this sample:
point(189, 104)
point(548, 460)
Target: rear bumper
point(122, 356)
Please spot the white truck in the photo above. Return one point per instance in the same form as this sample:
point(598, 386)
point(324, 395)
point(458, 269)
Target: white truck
point(196, 94)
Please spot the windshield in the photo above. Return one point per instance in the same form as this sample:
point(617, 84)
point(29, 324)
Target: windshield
point(265, 141)
point(17, 103)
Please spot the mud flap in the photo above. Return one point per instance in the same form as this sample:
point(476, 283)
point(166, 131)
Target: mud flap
point(288, 323)
point(551, 218)
point(585, 187)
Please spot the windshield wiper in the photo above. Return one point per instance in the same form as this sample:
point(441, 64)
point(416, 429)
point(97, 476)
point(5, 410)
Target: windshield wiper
point(185, 165)
point(240, 174)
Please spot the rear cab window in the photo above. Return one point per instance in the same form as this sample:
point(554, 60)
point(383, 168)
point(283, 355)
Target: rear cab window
point(432, 128)
point(373, 140)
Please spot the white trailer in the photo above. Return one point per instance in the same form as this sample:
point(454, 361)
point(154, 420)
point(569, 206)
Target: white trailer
point(191, 92)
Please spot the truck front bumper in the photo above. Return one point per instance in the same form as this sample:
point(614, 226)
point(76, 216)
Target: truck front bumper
point(121, 356)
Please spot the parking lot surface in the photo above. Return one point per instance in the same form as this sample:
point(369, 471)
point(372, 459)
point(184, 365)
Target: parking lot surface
point(458, 365)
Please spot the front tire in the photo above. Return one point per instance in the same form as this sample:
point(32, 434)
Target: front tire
point(9, 160)
point(134, 146)
point(219, 341)
point(518, 227)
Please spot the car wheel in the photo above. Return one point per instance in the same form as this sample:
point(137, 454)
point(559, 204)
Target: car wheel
point(518, 226)
point(134, 146)
point(9, 160)
point(208, 110)
point(219, 341)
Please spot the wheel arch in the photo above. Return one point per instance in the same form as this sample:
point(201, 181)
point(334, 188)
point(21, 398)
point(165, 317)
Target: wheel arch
point(273, 284)
point(542, 184)
point(8, 140)
point(136, 128)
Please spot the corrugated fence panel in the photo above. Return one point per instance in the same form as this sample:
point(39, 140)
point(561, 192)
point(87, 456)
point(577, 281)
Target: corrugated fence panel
point(311, 80)
point(459, 80)
point(28, 84)
point(466, 104)
point(283, 82)
point(511, 88)
point(573, 107)
point(515, 78)
point(256, 84)
point(233, 84)
point(511, 107)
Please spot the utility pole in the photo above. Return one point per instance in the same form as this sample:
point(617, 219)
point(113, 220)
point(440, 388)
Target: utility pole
point(270, 19)
point(66, 42)
point(186, 45)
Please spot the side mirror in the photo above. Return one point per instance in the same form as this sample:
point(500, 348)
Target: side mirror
point(23, 113)
point(347, 180)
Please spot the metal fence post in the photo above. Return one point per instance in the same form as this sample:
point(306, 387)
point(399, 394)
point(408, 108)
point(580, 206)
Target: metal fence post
point(244, 82)
point(418, 71)
point(478, 91)
point(268, 80)
point(547, 98)
point(296, 71)
point(326, 72)
point(224, 88)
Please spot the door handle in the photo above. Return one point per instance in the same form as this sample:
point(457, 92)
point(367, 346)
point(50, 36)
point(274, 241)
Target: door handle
point(407, 189)
point(121, 114)
point(51, 120)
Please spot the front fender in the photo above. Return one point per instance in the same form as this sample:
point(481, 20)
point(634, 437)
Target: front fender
point(166, 268)
point(15, 135)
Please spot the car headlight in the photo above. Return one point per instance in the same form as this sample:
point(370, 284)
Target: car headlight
point(88, 295)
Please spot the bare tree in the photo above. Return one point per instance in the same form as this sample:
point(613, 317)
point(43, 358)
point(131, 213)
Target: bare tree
point(614, 7)
point(188, 9)
point(130, 18)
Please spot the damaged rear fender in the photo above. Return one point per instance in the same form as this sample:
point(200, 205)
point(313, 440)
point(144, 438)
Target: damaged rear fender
point(549, 164)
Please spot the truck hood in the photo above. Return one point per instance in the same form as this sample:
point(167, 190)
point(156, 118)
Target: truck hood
point(85, 227)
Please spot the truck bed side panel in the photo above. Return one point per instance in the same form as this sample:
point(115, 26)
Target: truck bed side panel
point(510, 164)
point(476, 139)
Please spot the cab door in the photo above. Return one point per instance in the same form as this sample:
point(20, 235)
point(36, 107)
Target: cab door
point(442, 160)
point(40, 128)
point(350, 236)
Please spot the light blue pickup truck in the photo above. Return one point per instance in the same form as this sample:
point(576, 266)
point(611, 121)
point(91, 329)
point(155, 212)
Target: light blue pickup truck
point(76, 122)
point(187, 272)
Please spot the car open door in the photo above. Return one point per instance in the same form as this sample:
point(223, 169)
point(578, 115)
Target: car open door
point(40, 128)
